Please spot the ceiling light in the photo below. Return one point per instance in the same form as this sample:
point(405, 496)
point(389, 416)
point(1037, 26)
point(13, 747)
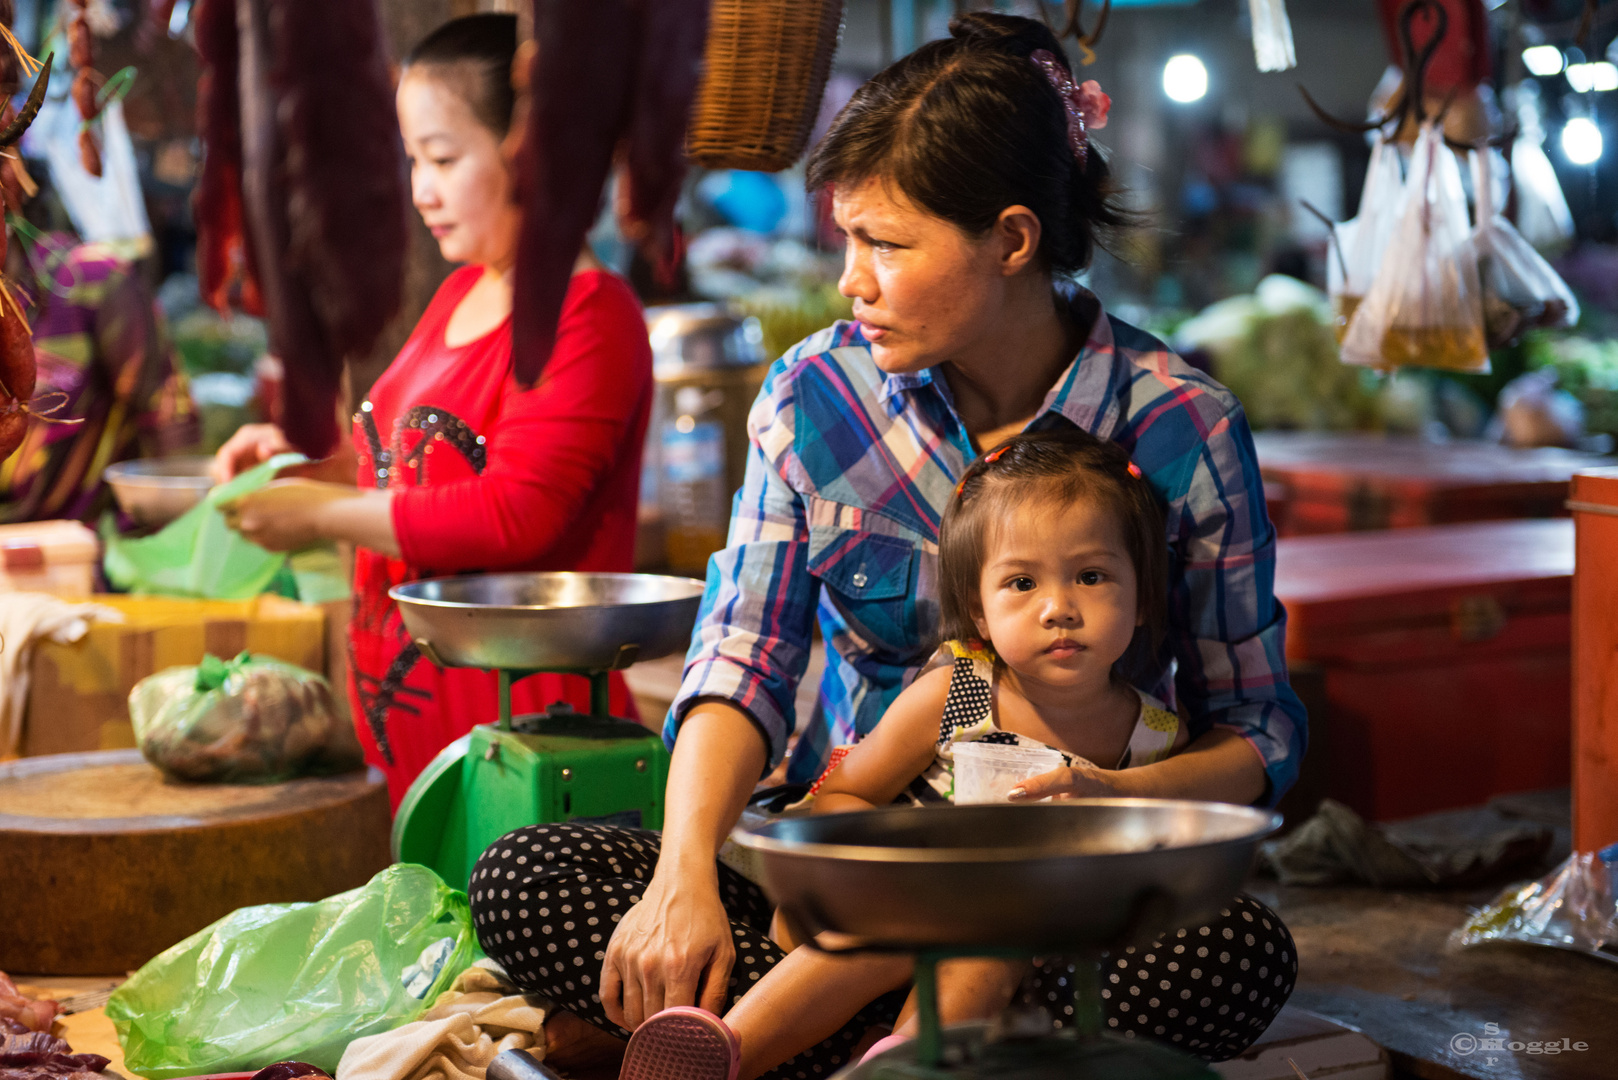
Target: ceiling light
point(1185, 79)
point(1581, 141)
point(1542, 60)
point(1597, 76)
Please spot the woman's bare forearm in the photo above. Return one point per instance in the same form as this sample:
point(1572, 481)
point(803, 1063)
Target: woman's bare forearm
point(364, 519)
point(717, 761)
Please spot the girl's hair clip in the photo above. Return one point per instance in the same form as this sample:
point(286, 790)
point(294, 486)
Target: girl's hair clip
point(1134, 470)
point(995, 455)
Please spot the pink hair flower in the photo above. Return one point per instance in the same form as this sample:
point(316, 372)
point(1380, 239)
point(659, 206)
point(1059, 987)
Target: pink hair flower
point(1093, 105)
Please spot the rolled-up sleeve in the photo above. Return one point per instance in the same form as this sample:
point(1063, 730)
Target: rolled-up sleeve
point(1227, 630)
point(750, 646)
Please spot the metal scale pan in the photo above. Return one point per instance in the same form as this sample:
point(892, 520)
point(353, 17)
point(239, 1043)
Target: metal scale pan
point(1070, 878)
point(559, 765)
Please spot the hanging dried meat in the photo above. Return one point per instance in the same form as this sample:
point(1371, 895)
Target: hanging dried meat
point(17, 365)
point(606, 74)
point(221, 256)
point(87, 83)
point(319, 214)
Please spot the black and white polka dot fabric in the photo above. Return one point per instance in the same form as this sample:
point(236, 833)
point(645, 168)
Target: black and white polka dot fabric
point(545, 901)
point(1209, 990)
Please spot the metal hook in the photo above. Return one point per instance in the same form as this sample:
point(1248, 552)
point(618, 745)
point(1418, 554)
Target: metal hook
point(1409, 101)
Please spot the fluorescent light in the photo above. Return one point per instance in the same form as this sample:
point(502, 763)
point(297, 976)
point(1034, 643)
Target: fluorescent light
point(1542, 60)
point(1597, 76)
point(1581, 141)
point(1185, 79)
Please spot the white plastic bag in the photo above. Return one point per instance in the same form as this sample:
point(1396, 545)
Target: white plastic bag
point(1520, 290)
point(1272, 35)
point(1425, 306)
point(1358, 244)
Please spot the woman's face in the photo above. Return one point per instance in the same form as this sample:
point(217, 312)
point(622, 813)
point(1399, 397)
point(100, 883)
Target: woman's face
point(459, 181)
point(924, 292)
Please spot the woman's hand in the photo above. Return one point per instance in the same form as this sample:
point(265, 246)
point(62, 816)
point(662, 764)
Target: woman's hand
point(1081, 780)
point(284, 515)
point(675, 946)
point(672, 948)
point(253, 444)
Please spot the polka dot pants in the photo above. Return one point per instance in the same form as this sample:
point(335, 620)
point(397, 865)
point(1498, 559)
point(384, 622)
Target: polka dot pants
point(545, 901)
point(1209, 990)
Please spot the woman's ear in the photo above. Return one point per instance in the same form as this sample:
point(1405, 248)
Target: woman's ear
point(1017, 231)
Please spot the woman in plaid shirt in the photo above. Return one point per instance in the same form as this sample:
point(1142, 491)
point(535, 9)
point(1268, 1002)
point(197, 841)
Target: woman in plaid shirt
point(970, 195)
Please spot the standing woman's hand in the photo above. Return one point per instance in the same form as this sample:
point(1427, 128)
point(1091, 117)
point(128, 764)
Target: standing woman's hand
point(253, 444)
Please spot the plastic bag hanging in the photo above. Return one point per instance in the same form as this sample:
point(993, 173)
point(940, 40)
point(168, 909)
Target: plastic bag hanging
point(1424, 308)
point(1520, 290)
point(1542, 214)
point(1272, 35)
point(1359, 243)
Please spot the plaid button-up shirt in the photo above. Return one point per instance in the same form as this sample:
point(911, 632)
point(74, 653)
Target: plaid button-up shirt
point(849, 474)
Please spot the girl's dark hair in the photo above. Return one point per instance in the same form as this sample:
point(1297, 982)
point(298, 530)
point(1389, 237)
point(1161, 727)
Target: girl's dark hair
point(1063, 465)
point(481, 47)
point(966, 126)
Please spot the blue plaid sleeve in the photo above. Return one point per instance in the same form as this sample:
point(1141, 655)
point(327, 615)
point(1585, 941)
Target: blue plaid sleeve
point(750, 646)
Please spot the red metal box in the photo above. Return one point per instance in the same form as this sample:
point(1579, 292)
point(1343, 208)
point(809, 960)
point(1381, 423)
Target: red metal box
point(1595, 660)
point(1446, 657)
point(1331, 483)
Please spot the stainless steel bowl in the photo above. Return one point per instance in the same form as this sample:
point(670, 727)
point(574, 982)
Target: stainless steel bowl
point(1059, 877)
point(155, 491)
point(538, 622)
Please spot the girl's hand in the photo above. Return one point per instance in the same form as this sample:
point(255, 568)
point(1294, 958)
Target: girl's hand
point(1081, 780)
point(283, 515)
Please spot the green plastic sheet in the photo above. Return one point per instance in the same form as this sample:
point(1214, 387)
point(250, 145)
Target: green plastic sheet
point(197, 554)
point(295, 981)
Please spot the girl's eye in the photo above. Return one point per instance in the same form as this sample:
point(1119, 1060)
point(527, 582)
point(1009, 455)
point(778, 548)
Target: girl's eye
point(1022, 584)
point(1091, 577)
point(444, 162)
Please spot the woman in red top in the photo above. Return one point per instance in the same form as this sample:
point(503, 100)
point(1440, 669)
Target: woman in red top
point(458, 469)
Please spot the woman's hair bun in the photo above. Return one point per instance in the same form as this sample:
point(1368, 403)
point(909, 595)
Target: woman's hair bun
point(967, 126)
point(1010, 34)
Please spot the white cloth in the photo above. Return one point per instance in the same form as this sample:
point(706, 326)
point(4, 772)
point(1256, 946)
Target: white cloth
point(24, 619)
point(480, 1016)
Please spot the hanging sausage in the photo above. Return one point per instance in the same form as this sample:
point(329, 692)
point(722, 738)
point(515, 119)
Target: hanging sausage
point(607, 75)
point(302, 193)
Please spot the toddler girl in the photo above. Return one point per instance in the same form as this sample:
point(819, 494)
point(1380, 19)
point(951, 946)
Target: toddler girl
point(1052, 566)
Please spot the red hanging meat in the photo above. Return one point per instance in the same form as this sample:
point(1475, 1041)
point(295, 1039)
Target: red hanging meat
point(604, 72)
point(302, 188)
point(17, 373)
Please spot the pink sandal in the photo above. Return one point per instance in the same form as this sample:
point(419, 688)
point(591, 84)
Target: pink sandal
point(682, 1043)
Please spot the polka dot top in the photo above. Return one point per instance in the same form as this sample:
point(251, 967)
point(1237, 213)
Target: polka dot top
point(969, 717)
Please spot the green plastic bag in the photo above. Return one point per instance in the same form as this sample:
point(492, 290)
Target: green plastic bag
point(295, 981)
point(197, 554)
point(254, 720)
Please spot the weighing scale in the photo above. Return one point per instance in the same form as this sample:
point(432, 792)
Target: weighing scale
point(1072, 878)
point(559, 765)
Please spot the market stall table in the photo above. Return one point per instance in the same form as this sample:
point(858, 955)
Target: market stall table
point(1319, 482)
point(1446, 660)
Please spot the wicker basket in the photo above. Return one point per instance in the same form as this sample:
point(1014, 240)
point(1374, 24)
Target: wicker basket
point(765, 70)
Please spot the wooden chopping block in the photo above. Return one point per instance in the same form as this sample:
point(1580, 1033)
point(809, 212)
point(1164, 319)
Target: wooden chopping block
point(103, 864)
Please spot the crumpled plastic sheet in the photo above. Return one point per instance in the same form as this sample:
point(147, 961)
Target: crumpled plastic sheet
point(1575, 907)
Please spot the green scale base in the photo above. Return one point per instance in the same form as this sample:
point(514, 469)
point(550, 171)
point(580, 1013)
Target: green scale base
point(550, 767)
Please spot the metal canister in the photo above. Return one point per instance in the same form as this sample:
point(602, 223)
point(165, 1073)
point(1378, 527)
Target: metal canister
point(709, 363)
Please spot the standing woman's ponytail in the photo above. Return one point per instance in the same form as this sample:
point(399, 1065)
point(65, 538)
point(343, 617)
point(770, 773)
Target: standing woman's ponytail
point(982, 120)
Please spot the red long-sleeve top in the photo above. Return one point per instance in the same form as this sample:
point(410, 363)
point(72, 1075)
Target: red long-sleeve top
point(489, 477)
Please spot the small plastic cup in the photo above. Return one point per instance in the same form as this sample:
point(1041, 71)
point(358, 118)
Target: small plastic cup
point(986, 772)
